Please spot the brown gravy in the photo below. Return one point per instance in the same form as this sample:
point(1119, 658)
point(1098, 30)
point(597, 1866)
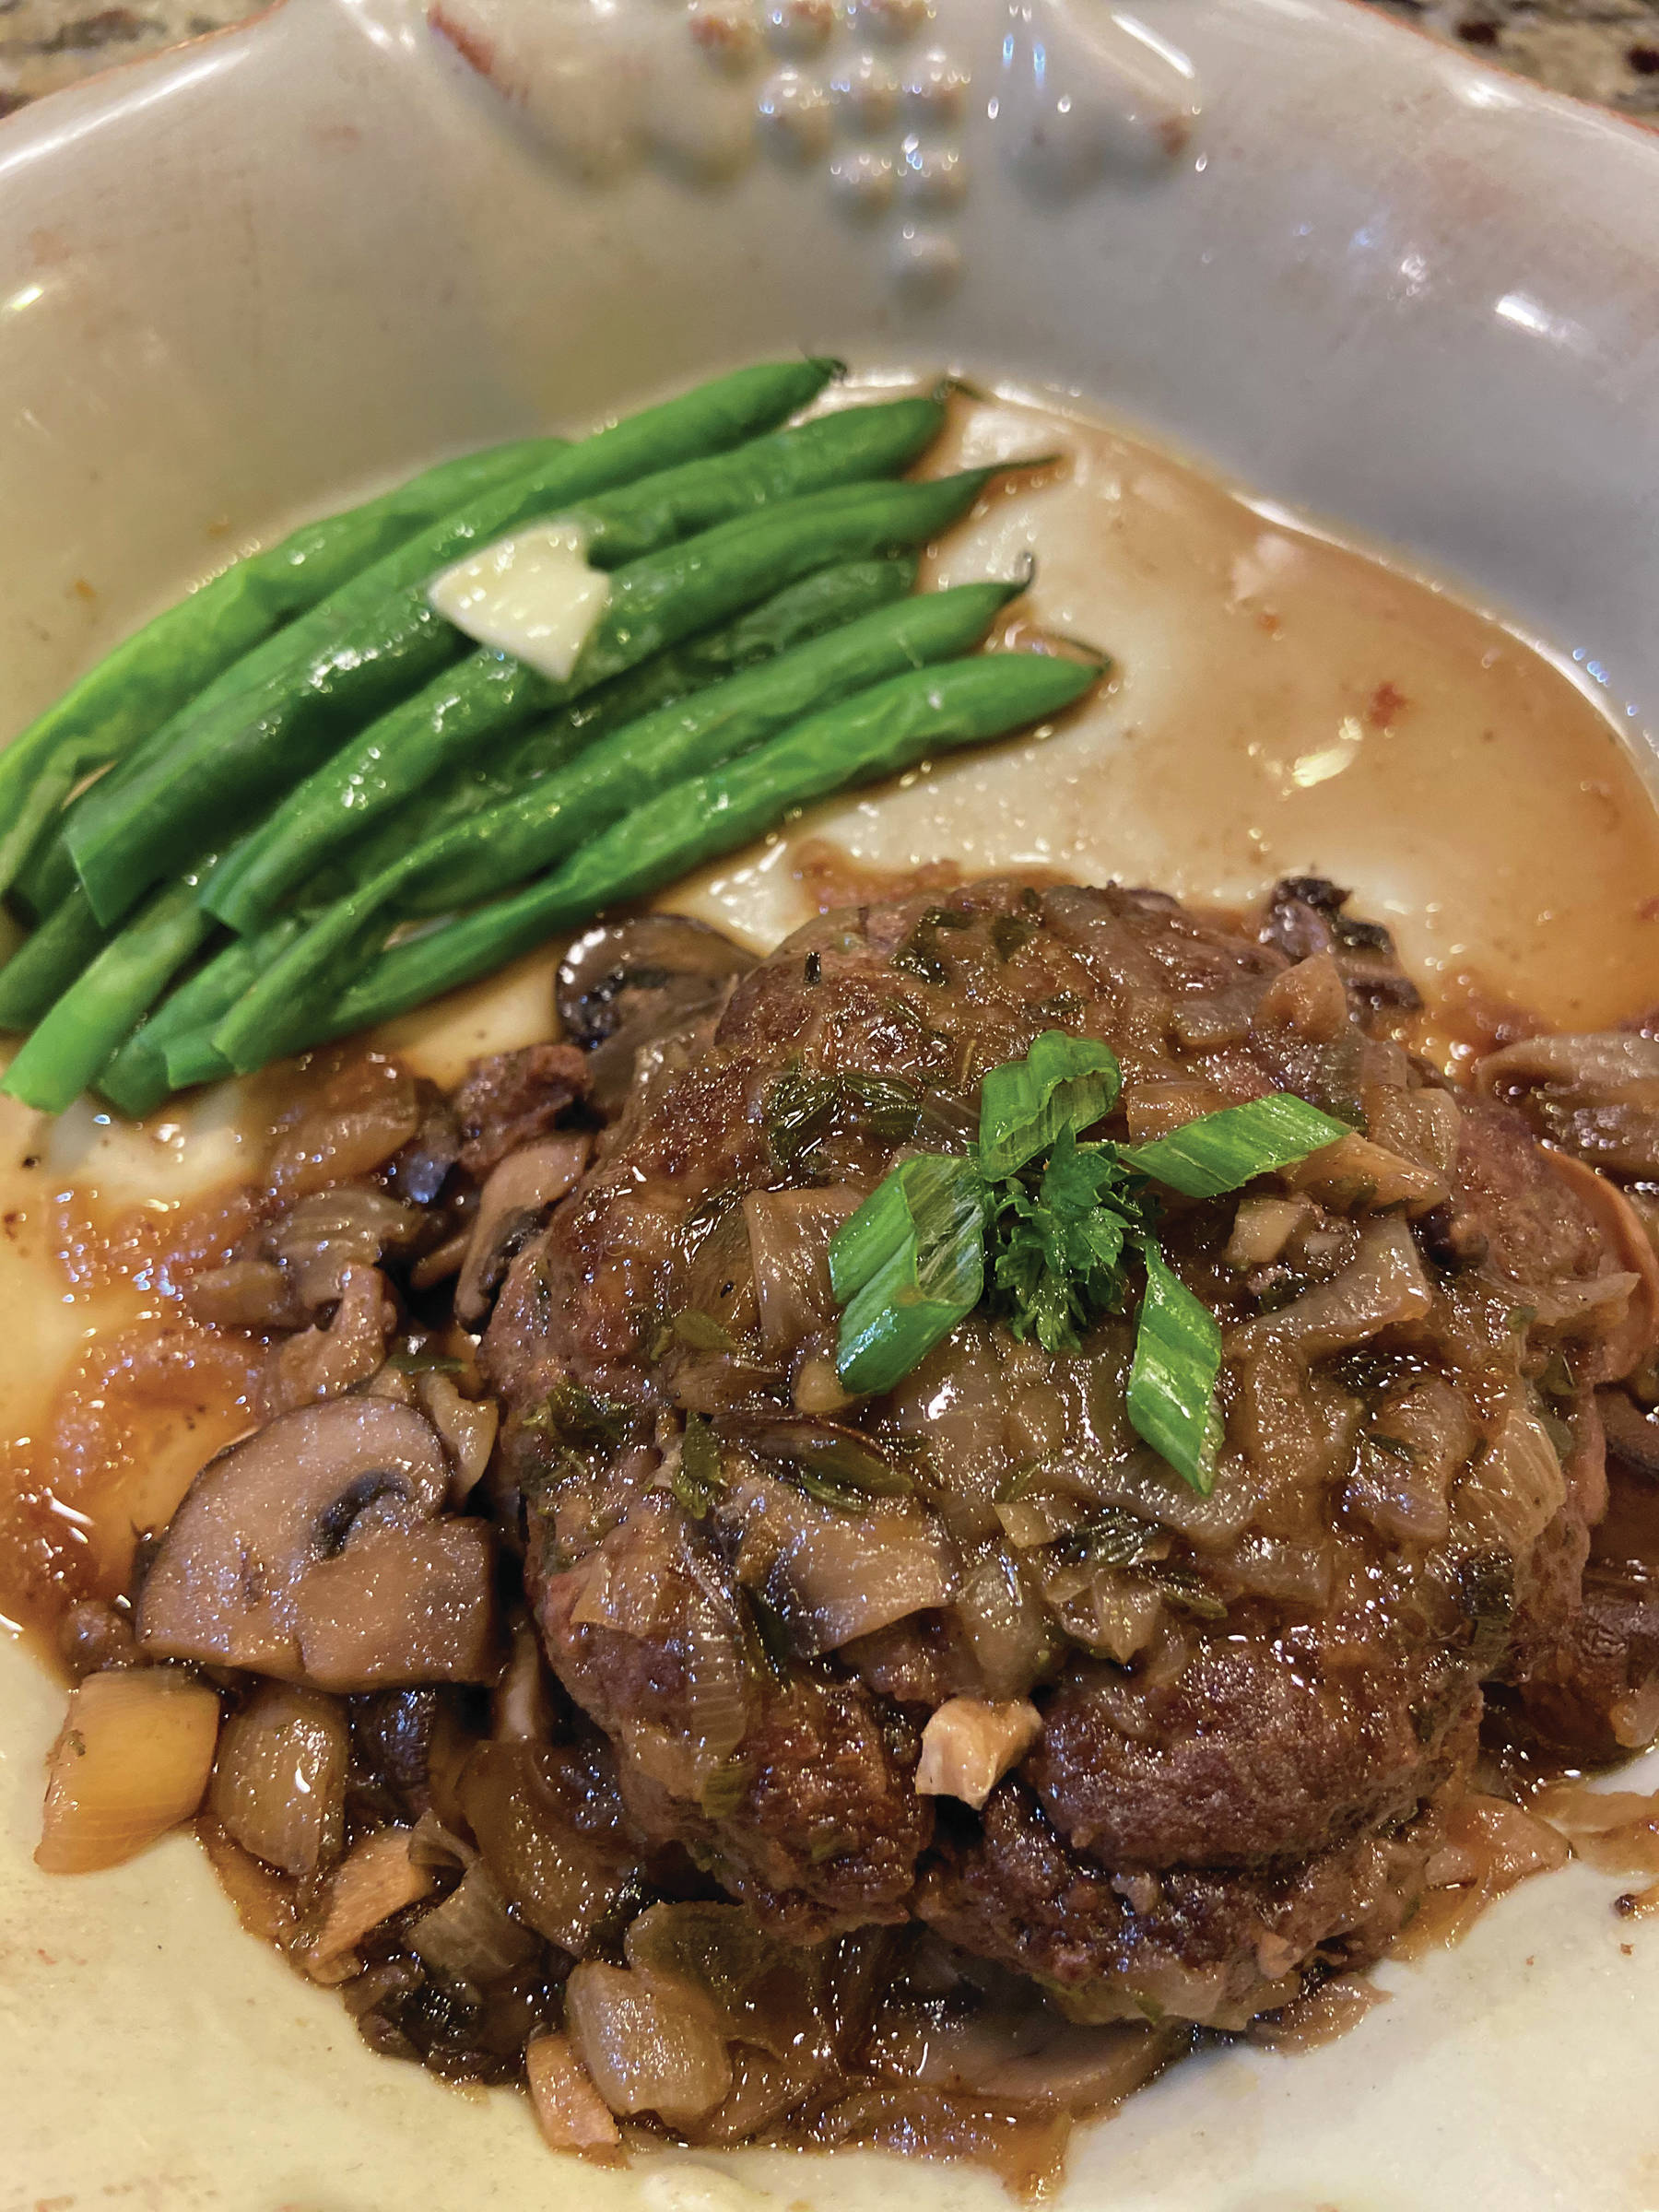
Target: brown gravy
point(1280, 703)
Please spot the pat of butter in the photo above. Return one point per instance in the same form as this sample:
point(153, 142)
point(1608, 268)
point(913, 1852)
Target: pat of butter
point(532, 594)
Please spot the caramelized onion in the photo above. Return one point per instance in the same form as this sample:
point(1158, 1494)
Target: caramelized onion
point(1025, 2148)
point(1358, 1176)
point(789, 1233)
point(1615, 1830)
point(348, 1225)
point(1006, 1626)
point(370, 1112)
point(1262, 1227)
point(561, 1880)
point(846, 1574)
point(645, 2049)
point(243, 1294)
point(1382, 1286)
point(1320, 2017)
point(467, 1427)
point(749, 1985)
point(265, 1899)
point(132, 1760)
point(279, 1781)
point(1514, 1490)
point(471, 1938)
point(521, 1704)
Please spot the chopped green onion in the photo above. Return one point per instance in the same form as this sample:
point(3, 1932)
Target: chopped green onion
point(802, 1111)
point(911, 1265)
point(701, 1333)
point(700, 1476)
point(1064, 1083)
point(1222, 1151)
point(1172, 1379)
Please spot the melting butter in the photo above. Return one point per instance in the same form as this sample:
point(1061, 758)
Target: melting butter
point(532, 594)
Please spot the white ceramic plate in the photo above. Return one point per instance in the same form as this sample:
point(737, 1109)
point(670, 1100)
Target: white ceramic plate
point(1374, 281)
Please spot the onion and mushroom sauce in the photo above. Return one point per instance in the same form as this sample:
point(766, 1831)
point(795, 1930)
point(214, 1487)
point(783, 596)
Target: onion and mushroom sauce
point(573, 1667)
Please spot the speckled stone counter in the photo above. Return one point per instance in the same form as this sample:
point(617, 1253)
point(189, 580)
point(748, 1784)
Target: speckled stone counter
point(1604, 49)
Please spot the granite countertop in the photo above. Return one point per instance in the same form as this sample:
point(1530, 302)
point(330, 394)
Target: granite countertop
point(1604, 50)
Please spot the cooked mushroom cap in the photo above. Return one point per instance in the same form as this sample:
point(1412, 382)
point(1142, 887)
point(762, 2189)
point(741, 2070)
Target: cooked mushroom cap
point(513, 1205)
point(312, 1552)
point(623, 983)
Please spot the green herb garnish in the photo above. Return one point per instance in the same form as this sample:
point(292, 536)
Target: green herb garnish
point(1038, 1224)
point(700, 1476)
point(803, 1110)
point(700, 1332)
point(907, 1267)
point(1219, 1151)
point(1064, 1083)
point(1173, 1380)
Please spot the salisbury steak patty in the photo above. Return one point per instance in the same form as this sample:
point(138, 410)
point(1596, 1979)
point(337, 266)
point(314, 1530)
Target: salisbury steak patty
point(1247, 1713)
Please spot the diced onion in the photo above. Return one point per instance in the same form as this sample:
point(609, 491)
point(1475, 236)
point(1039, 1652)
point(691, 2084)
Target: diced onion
point(471, 1938)
point(645, 2051)
point(279, 1781)
point(132, 1762)
point(560, 1880)
point(532, 594)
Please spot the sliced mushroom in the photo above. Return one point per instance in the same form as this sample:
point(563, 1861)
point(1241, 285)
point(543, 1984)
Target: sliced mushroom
point(512, 1208)
point(326, 1361)
point(1632, 1431)
point(1596, 1095)
point(312, 1552)
point(625, 983)
point(1627, 1243)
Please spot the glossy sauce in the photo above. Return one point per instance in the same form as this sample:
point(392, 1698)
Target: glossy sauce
point(1280, 703)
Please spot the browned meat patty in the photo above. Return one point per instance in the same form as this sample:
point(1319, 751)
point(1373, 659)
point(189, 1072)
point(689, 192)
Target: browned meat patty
point(1250, 1706)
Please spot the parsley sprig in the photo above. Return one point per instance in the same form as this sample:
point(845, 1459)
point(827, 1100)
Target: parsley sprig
point(1041, 1227)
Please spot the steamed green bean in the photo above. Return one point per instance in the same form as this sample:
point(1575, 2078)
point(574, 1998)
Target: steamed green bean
point(253, 734)
point(149, 675)
point(875, 734)
point(490, 695)
point(539, 826)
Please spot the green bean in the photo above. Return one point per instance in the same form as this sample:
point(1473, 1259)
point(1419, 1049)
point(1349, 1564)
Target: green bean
point(48, 962)
point(267, 720)
point(820, 602)
point(874, 733)
point(148, 676)
point(195, 1060)
point(490, 694)
point(73, 1042)
point(667, 596)
point(853, 446)
point(174, 1049)
point(539, 826)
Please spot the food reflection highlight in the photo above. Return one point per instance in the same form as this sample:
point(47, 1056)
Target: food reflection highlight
point(861, 1543)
